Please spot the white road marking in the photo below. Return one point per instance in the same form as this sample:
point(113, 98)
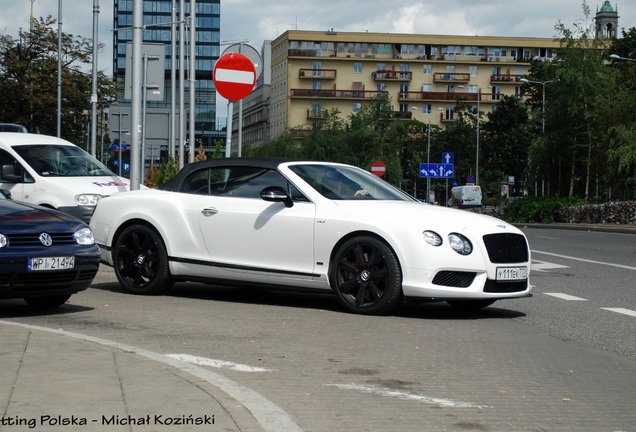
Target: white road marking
point(269, 415)
point(381, 391)
point(566, 297)
point(219, 364)
point(586, 260)
point(622, 311)
point(545, 266)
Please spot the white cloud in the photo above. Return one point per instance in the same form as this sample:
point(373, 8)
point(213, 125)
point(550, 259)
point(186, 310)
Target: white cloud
point(257, 20)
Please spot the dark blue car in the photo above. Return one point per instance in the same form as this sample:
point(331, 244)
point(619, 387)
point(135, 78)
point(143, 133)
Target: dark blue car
point(45, 255)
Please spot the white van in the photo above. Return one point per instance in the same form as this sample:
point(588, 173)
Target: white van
point(55, 173)
point(465, 196)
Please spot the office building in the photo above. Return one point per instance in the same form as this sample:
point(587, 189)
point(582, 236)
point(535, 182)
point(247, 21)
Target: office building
point(157, 21)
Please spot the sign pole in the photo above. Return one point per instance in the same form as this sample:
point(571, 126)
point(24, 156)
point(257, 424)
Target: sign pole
point(228, 130)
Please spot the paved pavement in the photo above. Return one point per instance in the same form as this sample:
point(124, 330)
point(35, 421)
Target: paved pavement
point(56, 369)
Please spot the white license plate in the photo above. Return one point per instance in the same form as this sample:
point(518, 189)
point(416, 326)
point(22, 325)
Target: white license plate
point(51, 263)
point(512, 273)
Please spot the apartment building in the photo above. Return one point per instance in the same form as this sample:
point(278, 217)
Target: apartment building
point(423, 75)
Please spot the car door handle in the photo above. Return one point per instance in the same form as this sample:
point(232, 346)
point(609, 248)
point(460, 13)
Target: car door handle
point(210, 211)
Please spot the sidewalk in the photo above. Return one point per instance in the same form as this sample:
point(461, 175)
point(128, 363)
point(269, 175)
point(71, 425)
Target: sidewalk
point(53, 382)
point(620, 229)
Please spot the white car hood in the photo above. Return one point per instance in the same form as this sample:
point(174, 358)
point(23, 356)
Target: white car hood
point(102, 185)
point(414, 213)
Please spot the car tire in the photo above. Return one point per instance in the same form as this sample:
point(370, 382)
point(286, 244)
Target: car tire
point(47, 302)
point(366, 276)
point(470, 305)
point(140, 260)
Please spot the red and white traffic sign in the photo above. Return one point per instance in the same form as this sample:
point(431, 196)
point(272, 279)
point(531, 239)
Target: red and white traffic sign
point(234, 76)
point(378, 168)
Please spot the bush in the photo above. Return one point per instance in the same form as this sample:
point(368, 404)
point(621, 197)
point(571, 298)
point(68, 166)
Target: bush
point(537, 209)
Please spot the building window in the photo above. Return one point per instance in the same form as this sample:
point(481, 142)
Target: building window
point(427, 69)
point(473, 70)
point(357, 68)
point(357, 106)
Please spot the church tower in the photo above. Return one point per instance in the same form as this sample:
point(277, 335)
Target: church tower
point(606, 22)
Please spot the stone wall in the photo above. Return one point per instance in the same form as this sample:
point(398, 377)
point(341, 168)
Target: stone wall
point(623, 213)
point(613, 213)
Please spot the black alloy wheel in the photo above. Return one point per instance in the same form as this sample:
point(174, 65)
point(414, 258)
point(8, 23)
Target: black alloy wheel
point(141, 261)
point(366, 276)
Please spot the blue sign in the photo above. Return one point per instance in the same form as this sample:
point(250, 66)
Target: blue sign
point(448, 157)
point(433, 170)
point(115, 147)
point(470, 178)
point(126, 165)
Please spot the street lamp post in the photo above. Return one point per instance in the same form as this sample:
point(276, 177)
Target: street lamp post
point(617, 57)
point(543, 83)
point(477, 139)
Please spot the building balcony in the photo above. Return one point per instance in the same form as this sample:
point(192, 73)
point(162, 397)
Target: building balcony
point(335, 94)
point(505, 78)
point(391, 75)
point(448, 77)
point(448, 117)
point(485, 97)
point(301, 53)
point(316, 114)
point(320, 74)
point(431, 96)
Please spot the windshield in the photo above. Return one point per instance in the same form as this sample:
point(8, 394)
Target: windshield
point(61, 161)
point(342, 182)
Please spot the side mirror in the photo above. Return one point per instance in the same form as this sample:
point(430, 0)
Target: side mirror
point(8, 174)
point(276, 194)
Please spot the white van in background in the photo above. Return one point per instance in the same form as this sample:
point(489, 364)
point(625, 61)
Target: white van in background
point(55, 173)
point(465, 196)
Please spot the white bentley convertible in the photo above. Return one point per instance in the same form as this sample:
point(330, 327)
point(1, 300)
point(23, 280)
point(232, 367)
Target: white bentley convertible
point(306, 224)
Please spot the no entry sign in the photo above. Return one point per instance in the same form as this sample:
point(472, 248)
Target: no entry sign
point(234, 76)
point(378, 168)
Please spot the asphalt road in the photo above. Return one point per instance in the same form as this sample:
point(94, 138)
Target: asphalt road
point(546, 363)
point(584, 287)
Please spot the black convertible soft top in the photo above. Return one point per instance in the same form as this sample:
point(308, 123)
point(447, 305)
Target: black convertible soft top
point(174, 183)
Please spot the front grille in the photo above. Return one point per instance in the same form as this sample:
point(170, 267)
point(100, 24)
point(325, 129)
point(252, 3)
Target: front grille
point(42, 281)
point(33, 239)
point(505, 287)
point(506, 248)
point(455, 279)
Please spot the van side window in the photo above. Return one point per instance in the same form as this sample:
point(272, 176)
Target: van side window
point(10, 166)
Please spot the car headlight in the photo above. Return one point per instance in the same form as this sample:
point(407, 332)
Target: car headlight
point(84, 236)
point(432, 238)
point(460, 244)
point(3, 240)
point(87, 199)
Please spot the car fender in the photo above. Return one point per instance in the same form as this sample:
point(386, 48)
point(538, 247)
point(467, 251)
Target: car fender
point(181, 238)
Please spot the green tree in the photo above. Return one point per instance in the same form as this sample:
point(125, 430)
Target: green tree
point(571, 153)
point(28, 81)
point(617, 119)
point(504, 145)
